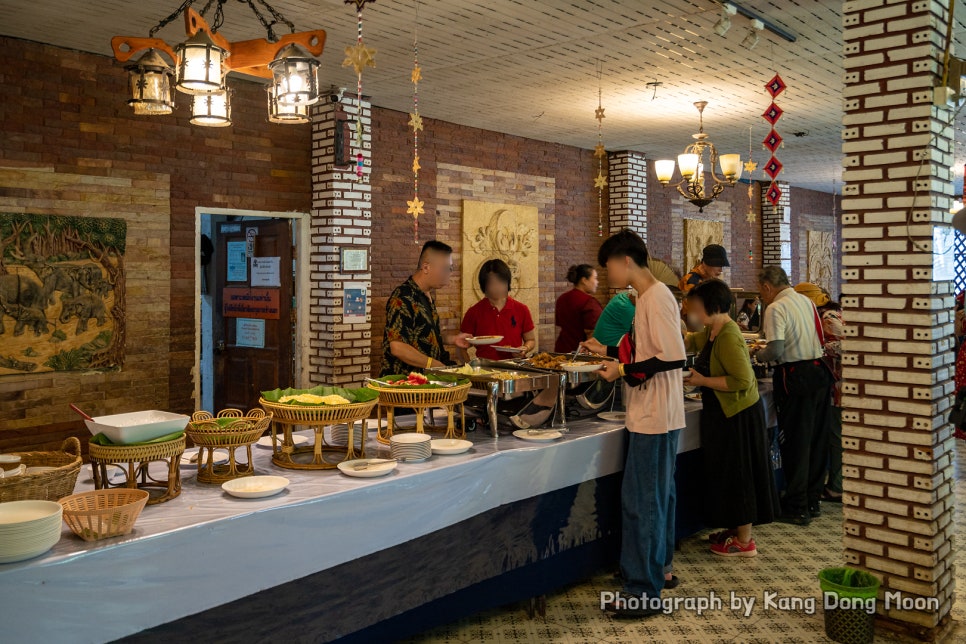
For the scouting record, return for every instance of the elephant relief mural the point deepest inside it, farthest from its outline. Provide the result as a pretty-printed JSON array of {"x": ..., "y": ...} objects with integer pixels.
[
  {"x": 501, "y": 231},
  {"x": 61, "y": 293}
]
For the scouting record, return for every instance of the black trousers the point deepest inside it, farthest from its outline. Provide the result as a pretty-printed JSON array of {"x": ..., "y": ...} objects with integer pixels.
[{"x": 802, "y": 396}]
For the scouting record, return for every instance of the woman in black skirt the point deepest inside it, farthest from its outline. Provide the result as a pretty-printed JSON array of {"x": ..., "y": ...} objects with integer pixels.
[{"x": 741, "y": 488}]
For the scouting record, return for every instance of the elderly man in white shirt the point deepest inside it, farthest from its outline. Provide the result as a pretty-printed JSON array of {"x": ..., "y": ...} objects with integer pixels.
[{"x": 793, "y": 331}]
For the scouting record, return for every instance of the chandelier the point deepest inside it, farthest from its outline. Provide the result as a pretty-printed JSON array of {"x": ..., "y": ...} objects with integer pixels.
[
  {"x": 699, "y": 184},
  {"x": 198, "y": 67}
]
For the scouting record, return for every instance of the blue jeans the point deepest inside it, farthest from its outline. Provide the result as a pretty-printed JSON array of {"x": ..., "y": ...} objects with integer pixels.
[{"x": 648, "y": 504}]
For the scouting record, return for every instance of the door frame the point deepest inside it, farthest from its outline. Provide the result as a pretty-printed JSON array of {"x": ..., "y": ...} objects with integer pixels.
[{"x": 302, "y": 286}]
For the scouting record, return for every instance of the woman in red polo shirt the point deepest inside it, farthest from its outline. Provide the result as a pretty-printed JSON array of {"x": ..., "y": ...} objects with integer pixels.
[
  {"x": 577, "y": 310},
  {"x": 498, "y": 313}
]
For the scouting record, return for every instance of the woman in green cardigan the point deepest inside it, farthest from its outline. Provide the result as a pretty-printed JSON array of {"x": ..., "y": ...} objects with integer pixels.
[{"x": 741, "y": 487}]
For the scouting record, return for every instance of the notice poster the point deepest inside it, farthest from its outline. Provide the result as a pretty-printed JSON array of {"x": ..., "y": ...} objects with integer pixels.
[
  {"x": 243, "y": 302},
  {"x": 354, "y": 303},
  {"x": 266, "y": 271},
  {"x": 250, "y": 332},
  {"x": 237, "y": 262}
]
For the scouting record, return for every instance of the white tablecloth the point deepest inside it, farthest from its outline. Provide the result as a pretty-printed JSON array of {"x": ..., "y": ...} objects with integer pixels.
[{"x": 205, "y": 548}]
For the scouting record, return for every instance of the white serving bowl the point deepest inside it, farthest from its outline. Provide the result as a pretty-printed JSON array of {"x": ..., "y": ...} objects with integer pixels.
[
  {"x": 450, "y": 446},
  {"x": 138, "y": 426}
]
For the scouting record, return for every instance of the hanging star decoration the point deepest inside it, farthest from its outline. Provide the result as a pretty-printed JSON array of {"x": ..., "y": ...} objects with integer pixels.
[
  {"x": 750, "y": 167},
  {"x": 358, "y": 57},
  {"x": 600, "y": 181},
  {"x": 416, "y": 123},
  {"x": 415, "y": 207}
]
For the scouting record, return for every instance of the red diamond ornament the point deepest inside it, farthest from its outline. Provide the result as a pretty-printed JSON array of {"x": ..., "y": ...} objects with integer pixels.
[
  {"x": 774, "y": 194},
  {"x": 775, "y": 86},
  {"x": 772, "y": 141},
  {"x": 773, "y": 167},
  {"x": 772, "y": 114}
]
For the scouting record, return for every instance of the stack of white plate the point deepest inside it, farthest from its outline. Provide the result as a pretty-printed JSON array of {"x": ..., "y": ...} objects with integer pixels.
[
  {"x": 410, "y": 447},
  {"x": 28, "y": 529},
  {"x": 340, "y": 435}
]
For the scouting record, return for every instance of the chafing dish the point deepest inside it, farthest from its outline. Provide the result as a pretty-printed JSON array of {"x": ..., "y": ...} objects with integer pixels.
[{"x": 505, "y": 380}]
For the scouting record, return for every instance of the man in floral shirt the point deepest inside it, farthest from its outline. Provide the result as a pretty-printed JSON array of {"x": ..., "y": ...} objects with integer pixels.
[{"x": 413, "y": 339}]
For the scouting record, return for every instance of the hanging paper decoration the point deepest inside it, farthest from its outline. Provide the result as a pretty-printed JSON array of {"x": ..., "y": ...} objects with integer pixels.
[
  {"x": 415, "y": 207},
  {"x": 600, "y": 181},
  {"x": 750, "y": 167},
  {"x": 359, "y": 56},
  {"x": 773, "y": 140}
]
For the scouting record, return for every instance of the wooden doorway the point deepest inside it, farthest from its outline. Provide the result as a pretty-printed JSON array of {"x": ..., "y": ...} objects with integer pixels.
[{"x": 249, "y": 332}]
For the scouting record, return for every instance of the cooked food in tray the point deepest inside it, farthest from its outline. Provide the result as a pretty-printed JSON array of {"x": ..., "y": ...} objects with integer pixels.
[{"x": 547, "y": 361}]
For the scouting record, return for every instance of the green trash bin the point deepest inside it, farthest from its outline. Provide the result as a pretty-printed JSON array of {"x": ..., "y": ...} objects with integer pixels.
[{"x": 848, "y": 599}]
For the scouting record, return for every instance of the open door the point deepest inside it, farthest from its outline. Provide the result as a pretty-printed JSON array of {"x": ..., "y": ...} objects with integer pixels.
[{"x": 252, "y": 314}]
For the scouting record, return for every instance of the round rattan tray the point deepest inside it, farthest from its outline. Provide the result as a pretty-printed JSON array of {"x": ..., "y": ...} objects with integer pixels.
[
  {"x": 284, "y": 417},
  {"x": 419, "y": 400},
  {"x": 243, "y": 430},
  {"x": 135, "y": 461}
]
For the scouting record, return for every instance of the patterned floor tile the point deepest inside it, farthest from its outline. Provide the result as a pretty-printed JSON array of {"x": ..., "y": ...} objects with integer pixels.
[{"x": 788, "y": 563}]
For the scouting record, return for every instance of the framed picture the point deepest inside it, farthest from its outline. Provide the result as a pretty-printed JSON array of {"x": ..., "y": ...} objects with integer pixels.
[{"x": 354, "y": 259}]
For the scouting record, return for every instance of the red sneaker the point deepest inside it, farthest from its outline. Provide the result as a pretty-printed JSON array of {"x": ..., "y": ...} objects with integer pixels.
[
  {"x": 721, "y": 535},
  {"x": 731, "y": 548}
]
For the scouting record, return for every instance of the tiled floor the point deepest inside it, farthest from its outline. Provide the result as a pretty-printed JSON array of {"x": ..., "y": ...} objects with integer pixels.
[{"x": 788, "y": 562}]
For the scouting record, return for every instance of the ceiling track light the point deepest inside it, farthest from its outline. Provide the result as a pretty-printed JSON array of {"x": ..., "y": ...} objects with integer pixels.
[
  {"x": 766, "y": 25},
  {"x": 751, "y": 40},
  {"x": 724, "y": 22}
]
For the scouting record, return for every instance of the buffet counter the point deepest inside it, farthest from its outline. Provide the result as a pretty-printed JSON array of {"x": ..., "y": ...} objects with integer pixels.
[{"x": 205, "y": 549}]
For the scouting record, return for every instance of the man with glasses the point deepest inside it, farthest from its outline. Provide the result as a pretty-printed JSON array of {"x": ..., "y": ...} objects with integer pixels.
[{"x": 413, "y": 340}]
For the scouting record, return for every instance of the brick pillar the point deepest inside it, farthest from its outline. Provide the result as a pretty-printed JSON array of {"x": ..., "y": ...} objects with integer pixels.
[
  {"x": 898, "y": 460},
  {"x": 776, "y": 229},
  {"x": 627, "y": 190},
  {"x": 341, "y": 216}
]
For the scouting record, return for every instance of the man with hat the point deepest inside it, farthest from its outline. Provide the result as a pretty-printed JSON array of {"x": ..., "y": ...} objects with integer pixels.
[{"x": 713, "y": 259}]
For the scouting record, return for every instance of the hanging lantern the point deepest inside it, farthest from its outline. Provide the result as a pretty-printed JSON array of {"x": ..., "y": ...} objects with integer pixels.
[
  {"x": 200, "y": 65},
  {"x": 212, "y": 110},
  {"x": 295, "y": 76},
  {"x": 286, "y": 112},
  {"x": 152, "y": 91}
]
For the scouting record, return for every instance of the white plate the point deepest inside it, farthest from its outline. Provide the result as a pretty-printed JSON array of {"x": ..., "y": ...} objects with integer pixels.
[
  {"x": 484, "y": 340},
  {"x": 113, "y": 471},
  {"x": 612, "y": 416},
  {"x": 694, "y": 397},
  {"x": 450, "y": 446},
  {"x": 255, "y": 487},
  {"x": 379, "y": 469},
  {"x": 504, "y": 349},
  {"x": 266, "y": 440},
  {"x": 543, "y": 437},
  {"x": 580, "y": 367},
  {"x": 191, "y": 457}
]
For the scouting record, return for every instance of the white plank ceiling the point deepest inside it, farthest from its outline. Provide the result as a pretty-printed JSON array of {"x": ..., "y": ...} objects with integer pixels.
[{"x": 528, "y": 67}]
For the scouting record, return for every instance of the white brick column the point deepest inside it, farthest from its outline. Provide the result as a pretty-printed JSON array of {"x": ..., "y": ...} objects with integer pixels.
[
  {"x": 627, "y": 191},
  {"x": 341, "y": 216},
  {"x": 898, "y": 459},
  {"x": 776, "y": 229}
]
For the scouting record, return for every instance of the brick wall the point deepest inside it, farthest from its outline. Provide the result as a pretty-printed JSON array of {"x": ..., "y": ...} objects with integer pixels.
[
  {"x": 627, "y": 187},
  {"x": 65, "y": 110},
  {"x": 898, "y": 447},
  {"x": 33, "y": 407},
  {"x": 574, "y": 209}
]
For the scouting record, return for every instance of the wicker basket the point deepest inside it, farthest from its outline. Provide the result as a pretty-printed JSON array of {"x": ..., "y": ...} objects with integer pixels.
[
  {"x": 204, "y": 431},
  {"x": 103, "y": 513},
  {"x": 414, "y": 397},
  {"x": 52, "y": 485},
  {"x": 319, "y": 415}
]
